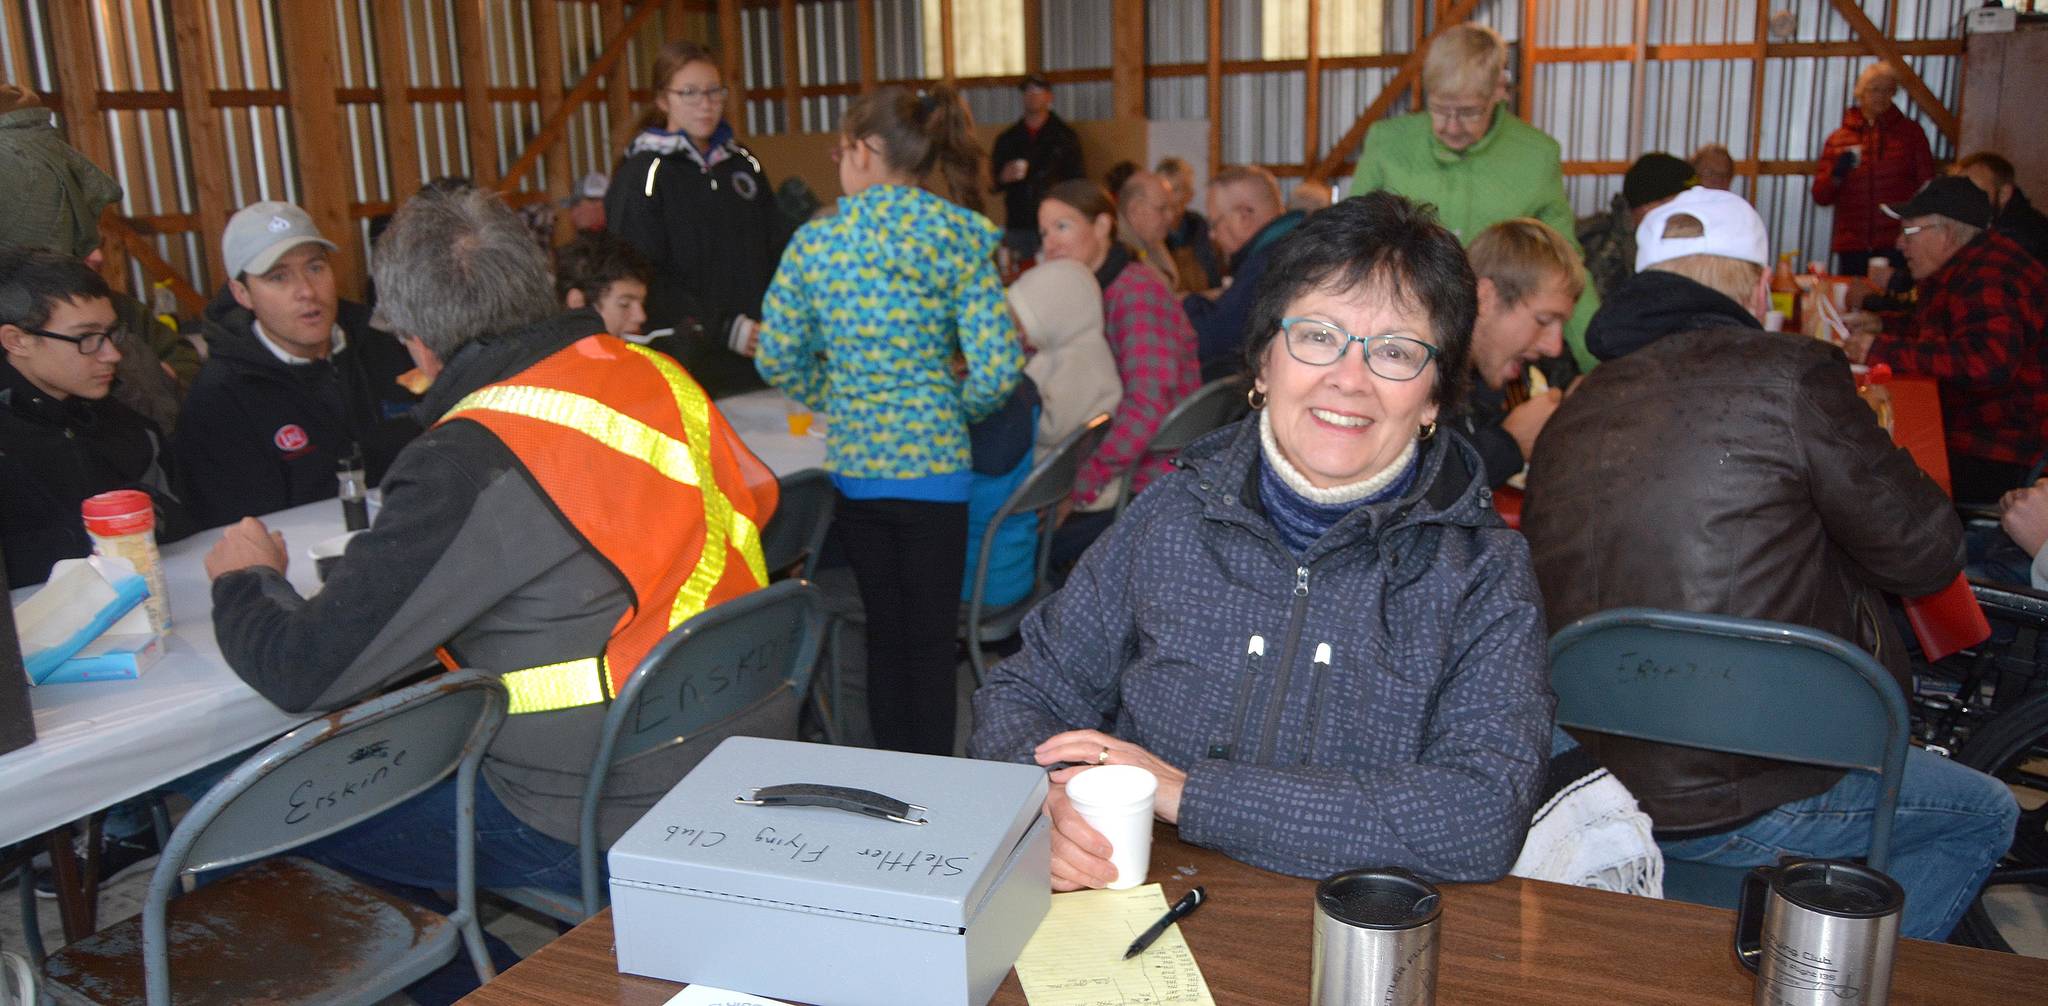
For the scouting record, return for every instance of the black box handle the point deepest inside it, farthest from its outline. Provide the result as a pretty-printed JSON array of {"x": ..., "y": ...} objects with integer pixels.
[{"x": 858, "y": 801}]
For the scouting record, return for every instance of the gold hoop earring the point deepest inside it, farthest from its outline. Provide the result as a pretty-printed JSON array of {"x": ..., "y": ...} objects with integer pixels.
[
  {"x": 1255, "y": 398},
  {"x": 1428, "y": 431}
]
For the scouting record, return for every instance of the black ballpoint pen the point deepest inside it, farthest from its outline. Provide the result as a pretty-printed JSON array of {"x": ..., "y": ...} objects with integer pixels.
[{"x": 1181, "y": 909}]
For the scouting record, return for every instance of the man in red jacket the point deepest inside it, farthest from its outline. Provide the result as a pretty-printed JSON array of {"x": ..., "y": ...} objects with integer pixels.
[
  {"x": 1878, "y": 156},
  {"x": 1978, "y": 328}
]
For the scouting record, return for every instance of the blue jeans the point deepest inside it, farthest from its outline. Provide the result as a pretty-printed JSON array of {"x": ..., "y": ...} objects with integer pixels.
[
  {"x": 413, "y": 844},
  {"x": 1953, "y": 823}
]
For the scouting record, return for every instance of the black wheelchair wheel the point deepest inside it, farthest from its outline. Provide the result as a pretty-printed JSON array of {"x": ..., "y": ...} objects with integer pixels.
[{"x": 2013, "y": 747}]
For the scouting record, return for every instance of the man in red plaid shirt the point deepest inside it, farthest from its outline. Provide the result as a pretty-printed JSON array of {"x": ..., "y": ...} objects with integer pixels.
[{"x": 1983, "y": 307}]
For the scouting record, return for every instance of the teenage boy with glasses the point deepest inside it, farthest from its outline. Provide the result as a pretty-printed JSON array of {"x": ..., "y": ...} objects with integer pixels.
[{"x": 62, "y": 438}]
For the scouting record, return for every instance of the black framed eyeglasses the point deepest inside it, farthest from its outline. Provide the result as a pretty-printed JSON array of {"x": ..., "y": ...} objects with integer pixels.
[
  {"x": 87, "y": 344},
  {"x": 689, "y": 95},
  {"x": 1320, "y": 344}
]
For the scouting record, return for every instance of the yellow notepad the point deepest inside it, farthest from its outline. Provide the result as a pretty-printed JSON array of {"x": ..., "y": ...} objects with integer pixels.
[{"x": 1076, "y": 957}]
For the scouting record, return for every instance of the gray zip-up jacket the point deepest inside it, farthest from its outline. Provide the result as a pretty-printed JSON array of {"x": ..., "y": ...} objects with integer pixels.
[
  {"x": 470, "y": 553},
  {"x": 1420, "y": 743}
]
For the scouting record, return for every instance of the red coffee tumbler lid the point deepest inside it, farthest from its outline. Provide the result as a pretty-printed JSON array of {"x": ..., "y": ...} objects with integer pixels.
[{"x": 123, "y": 511}]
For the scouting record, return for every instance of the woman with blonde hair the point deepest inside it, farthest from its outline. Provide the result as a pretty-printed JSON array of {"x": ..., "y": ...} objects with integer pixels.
[
  {"x": 697, "y": 205},
  {"x": 863, "y": 322},
  {"x": 1468, "y": 155}
]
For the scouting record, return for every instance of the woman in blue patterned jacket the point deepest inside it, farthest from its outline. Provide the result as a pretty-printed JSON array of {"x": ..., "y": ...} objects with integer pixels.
[
  {"x": 1317, "y": 633},
  {"x": 862, "y": 322}
]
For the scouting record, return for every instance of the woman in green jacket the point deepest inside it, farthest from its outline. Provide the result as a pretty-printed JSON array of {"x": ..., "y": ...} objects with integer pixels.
[{"x": 1467, "y": 155}]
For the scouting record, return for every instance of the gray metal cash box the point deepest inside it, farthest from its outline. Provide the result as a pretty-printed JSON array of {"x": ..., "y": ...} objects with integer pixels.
[{"x": 836, "y": 875}]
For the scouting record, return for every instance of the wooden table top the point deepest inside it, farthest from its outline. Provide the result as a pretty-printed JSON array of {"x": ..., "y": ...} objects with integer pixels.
[{"x": 1512, "y": 941}]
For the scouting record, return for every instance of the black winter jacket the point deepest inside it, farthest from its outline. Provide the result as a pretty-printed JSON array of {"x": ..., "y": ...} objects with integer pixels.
[
  {"x": 258, "y": 435},
  {"x": 1485, "y": 409},
  {"x": 54, "y": 454},
  {"x": 1054, "y": 155},
  {"x": 2025, "y": 225},
  {"x": 1712, "y": 466},
  {"x": 714, "y": 238}
]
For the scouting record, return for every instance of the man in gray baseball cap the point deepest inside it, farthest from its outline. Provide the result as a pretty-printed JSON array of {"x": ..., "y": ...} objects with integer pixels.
[{"x": 296, "y": 381}]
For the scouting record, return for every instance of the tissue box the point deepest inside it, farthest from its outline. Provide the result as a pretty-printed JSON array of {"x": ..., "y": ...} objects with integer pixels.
[
  {"x": 826, "y": 905},
  {"x": 124, "y": 651}
]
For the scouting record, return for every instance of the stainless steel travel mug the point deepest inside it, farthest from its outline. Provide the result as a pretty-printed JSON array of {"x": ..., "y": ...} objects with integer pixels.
[
  {"x": 1375, "y": 940},
  {"x": 1819, "y": 932}
]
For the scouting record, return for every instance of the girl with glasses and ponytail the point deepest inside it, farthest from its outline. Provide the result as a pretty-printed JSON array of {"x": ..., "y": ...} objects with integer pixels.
[
  {"x": 889, "y": 318},
  {"x": 697, "y": 205}
]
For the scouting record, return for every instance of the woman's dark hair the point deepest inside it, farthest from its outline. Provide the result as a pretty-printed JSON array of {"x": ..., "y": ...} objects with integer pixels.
[
  {"x": 1087, "y": 197},
  {"x": 1379, "y": 241},
  {"x": 673, "y": 56},
  {"x": 33, "y": 281},
  {"x": 922, "y": 134}
]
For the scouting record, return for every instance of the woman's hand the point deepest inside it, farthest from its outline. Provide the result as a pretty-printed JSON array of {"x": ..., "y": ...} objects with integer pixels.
[
  {"x": 1097, "y": 748},
  {"x": 1080, "y": 855}
]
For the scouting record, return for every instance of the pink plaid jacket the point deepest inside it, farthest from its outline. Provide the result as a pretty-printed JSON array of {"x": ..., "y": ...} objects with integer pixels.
[{"x": 1155, "y": 352}]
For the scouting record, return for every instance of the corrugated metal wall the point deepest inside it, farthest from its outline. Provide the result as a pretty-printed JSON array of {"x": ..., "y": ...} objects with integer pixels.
[
  {"x": 136, "y": 60},
  {"x": 1588, "y": 106}
]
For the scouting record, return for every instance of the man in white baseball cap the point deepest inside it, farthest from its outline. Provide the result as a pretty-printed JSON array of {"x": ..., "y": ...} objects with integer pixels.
[
  {"x": 296, "y": 380},
  {"x": 1711, "y": 466},
  {"x": 586, "y": 207}
]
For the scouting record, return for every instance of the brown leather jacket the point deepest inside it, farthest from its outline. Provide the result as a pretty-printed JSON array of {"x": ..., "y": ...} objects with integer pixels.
[{"x": 1730, "y": 470}]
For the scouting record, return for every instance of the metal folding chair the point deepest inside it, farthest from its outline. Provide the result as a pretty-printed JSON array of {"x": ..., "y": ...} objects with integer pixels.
[
  {"x": 796, "y": 534},
  {"x": 285, "y": 929},
  {"x": 1213, "y": 406},
  {"x": 1041, "y": 491},
  {"x": 1737, "y": 685},
  {"x": 736, "y": 664}
]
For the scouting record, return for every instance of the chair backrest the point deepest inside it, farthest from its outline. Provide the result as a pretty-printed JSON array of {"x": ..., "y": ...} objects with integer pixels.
[
  {"x": 1049, "y": 482},
  {"x": 803, "y": 513},
  {"x": 343, "y": 768},
  {"x": 1737, "y": 685},
  {"x": 717, "y": 665},
  {"x": 1212, "y": 406}
]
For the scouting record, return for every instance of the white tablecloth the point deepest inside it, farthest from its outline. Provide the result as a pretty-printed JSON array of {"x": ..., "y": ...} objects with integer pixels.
[
  {"x": 101, "y": 742},
  {"x": 761, "y": 418}
]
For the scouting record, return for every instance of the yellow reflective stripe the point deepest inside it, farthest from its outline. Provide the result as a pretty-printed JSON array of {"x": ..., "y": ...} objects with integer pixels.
[
  {"x": 566, "y": 685},
  {"x": 583, "y": 682},
  {"x": 721, "y": 521},
  {"x": 748, "y": 540},
  {"x": 592, "y": 418}
]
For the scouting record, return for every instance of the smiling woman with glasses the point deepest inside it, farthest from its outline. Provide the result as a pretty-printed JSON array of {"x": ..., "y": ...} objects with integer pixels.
[
  {"x": 697, "y": 205},
  {"x": 1315, "y": 632},
  {"x": 1466, "y": 153}
]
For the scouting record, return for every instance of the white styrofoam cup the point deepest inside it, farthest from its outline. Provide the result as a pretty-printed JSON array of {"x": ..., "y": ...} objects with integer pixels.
[{"x": 1116, "y": 800}]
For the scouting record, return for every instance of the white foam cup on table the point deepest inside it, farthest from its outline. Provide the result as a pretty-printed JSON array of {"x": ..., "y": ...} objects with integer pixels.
[{"x": 1116, "y": 800}]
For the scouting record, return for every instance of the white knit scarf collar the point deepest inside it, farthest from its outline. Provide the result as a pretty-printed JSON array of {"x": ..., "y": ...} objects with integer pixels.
[{"x": 1338, "y": 494}]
